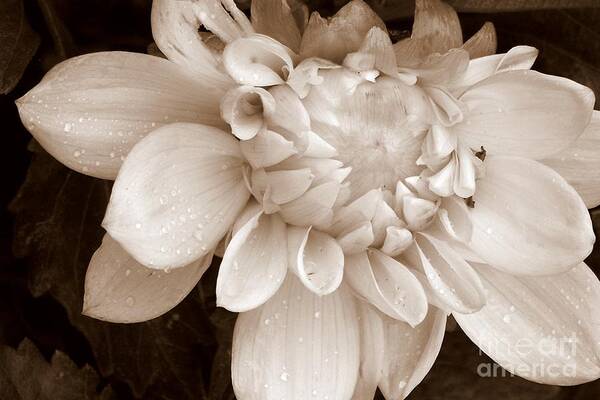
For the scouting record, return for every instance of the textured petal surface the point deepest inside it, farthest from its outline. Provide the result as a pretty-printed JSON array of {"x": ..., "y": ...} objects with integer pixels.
[
  {"x": 119, "y": 289},
  {"x": 176, "y": 196},
  {"x": 436, "y": 26},
  {"x": 274, "y": 18},
  {"x": 388, "y": 285},
  {"x": 410, "y": 352},
  {"x": 544, "y": 329},
  {"x": 525, "y": 113},
  {"x": 175, "y": 30},
  {"x": 483, "y": 43},
  {"x": 297, "y": 346},
  {"x": 89, "y": 111},
  {"x": 579, "y": 164},
  {"x": 342, "y": 34},
  {"x": 254, "y": 264},
  {"x": 528, "y": 220},
  {"x": 372, "y": 351}
]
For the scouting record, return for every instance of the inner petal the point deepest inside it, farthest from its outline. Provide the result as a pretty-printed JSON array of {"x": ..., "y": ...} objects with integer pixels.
[{"x": 376, "y": 127}]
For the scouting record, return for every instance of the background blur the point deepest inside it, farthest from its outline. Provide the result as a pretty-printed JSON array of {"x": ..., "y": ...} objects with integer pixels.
[{"x": 50, "y": 221}]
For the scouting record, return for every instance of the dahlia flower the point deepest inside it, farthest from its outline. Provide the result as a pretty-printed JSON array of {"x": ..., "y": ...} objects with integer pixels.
[{"x": 359, "y": 191}]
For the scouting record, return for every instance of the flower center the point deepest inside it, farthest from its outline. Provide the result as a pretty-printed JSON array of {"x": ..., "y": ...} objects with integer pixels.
[{"x": 376, "y": 127}]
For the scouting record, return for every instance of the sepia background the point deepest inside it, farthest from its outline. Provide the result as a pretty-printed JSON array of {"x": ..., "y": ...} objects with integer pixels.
[{"x": 50, "y": 223}]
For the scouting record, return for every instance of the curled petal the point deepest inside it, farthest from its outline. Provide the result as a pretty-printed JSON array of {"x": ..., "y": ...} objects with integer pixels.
[
  {"x": 254, "y": 264},
  {"x": 267, "y": 148},
  {"x": 529, "y": 224},
  {"x": 89, "y": 111},
  {"x": 410, "y": 352},
  {"x": 384, "y": 218},
  {"x": 306, "y": 74},
  {"x": 312, "y": 208},
  {"x": 245, "y": 108},
  {"x": 283, "y": 186},
  {"x": 177, "y": 194},
  {"x": 377, "y": 43},
  {"x": 417, "y": 212},
  {"x": 175, "y": 30},
  {"x": 453, "y": 280},
  {"x": 396, "y": 241},
  {"x": 544, "y": 329},
  {"x": 388, "y": 285},
  {"x": 296, "y": 346},
  {"x": 290, "y": 113},
  {"x": 455, "y": 219},
  {"x": 316, "y": 258},
  {"x": 258, "y": 60},
  {"x": 342, "y": 34},
  {"x": 358, "y": 211},
  {"x": 223, "y": 18},
  {"x": 448, "y": 110},
  {"x": 483, "y": 43},
  {"x": 357, "y": 240},
  {"x": 119, "y": 289},
  {"x": 579, "y": 164},
  {"x": 524, "y": 113},
  {"x": 274, "y": 18}
]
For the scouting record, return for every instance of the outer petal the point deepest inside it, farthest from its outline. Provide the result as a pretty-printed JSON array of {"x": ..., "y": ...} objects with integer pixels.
[
  {"x": 524, "y": 113},
  {"x": 89, "y": 111},
  {"x": 119, "y": 289},
  {"x": 388, "y": 285},
  {"x": 410, "y": 352},
  {"x": 545, "y": 329},
  {"x": 372, "y": 352},
  {"x": 274, "y": 18},
  {"x": 436, "y": 26},
  {"x": 316, "y": 259},
  {"x": 177, "y": 194},
  {"x": 254, "y": 264},
  {"x": 333, "y": 39},
  {"x": 297, "y": 346},
  {"x": 175, "y": 30},
  {"x": 483, "y": 43},
  {"x": 579, "y": 164},
  {"x": 528, "y": 220}
]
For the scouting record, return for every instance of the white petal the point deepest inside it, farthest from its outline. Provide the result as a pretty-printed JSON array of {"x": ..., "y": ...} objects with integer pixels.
[
  {"x": 312, "y": 208},
  {"x": 357, "y": 240},
  {"x": 175, "y": 30},
  {"x": 388, "y": 285},
  {"x": 286, "y": 185},
  {"x": 274, "y": 18},
  {"x": 223, "y": 18},
  {"x": 296, "y": 346},
  {"x": 254, "y": 264},
  {"x": 410, "y": 352},
  {"x": 246, "y": 108},
  {"x": 258, "y": 60},
  {"x": 453, "y": 280},
  {"x": 89, "y": 111},
  {"x": 544, "y": 329},
  {"x": 333, "y": 38},
  {"x": 119, "y": 289},
  {"x": 306, "y": 74},
  {"x": 378, "y": 43},
  {"x": 384, "y": 218},
  {"x": 528, "y": 220},
  {"x": 579, "y": 164},
  {"x": 316, "y": 258},
  {"x": 454, "y": 219},
  {"x": 418, "y": 212},
  {"x": 176, "y": 195},
  {"x": 483, "y": 43},
  {"x": 289, "y": 113},
  {"x": 372, "y": 350},
  {"x": 396, "y": 241},
  {"x": 267, "y": 148},
  {"x": 524, "y": 113}
]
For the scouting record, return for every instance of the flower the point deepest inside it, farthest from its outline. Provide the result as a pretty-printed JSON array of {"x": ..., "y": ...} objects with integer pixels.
[{"x": 358, "y": 190}]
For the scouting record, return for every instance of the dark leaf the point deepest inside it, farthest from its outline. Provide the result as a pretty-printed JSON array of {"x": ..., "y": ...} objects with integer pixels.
[
  {"x": 26, "y": 375},
  {"x": 61, "y": 38},
  {"x": 18, "y": 43},
  {"x": 58, "y": 214}
]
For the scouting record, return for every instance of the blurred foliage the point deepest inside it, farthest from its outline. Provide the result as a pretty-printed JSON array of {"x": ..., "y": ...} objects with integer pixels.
[{"x": 56, "y": 215}]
